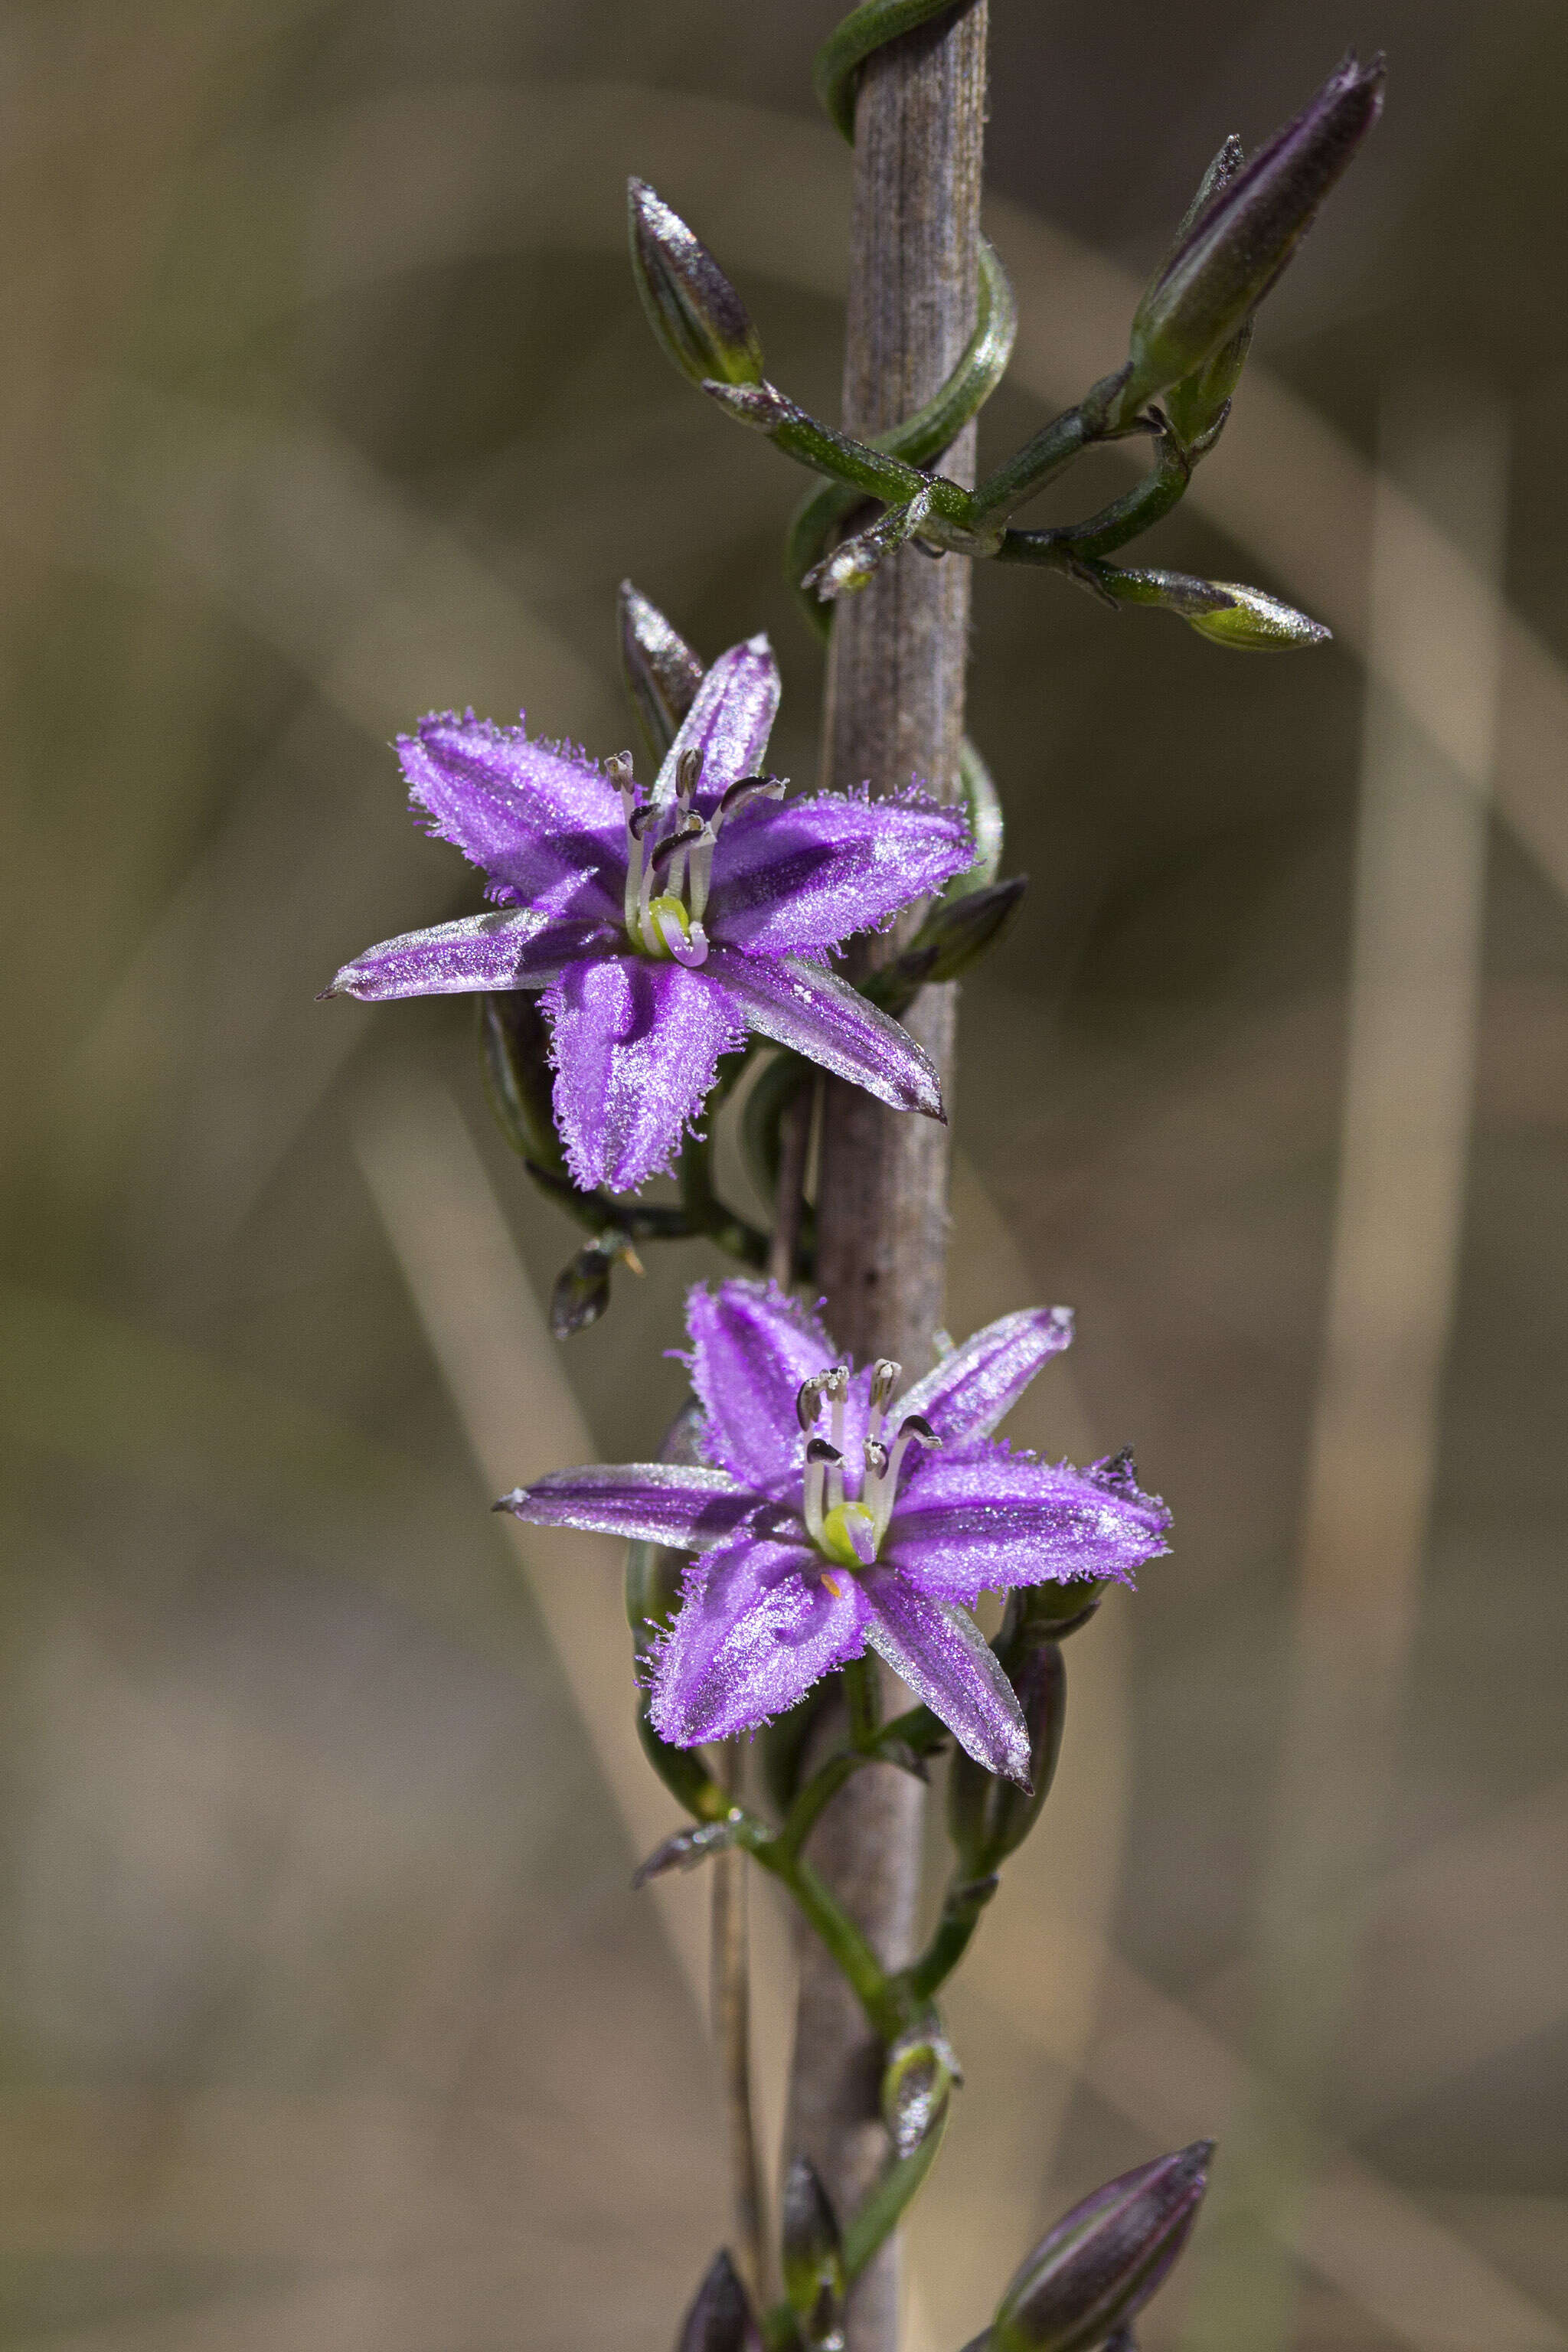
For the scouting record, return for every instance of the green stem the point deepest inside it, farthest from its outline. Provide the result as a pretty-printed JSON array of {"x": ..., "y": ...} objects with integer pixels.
[
  {"x": 862, "y": 1699},
  {"x": 966, "y": 1899},
  {"x": 894, "y": 2190},
  {"x": 857, "y": 1962},
  {"x": 1125, "y": 517},
  {"x": 816, "y": 1795}
]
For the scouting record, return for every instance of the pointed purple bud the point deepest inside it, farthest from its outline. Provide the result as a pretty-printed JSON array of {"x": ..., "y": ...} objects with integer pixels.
[
  {"x": 661, "y": 672},
  {"x": 958, "y": 931},
  {"x": 685, "y": 1849},
  {"x": 1101, "y": 2263},
  {"x": 812, "y": 2253},
  {"x": 721, "y": 2318},
  {"x": 697, "y": 315},
  {"x": 1197, "y": 406},
  {"x": 1243, "y": 237},
  {"x": 920, "y": 2070}
]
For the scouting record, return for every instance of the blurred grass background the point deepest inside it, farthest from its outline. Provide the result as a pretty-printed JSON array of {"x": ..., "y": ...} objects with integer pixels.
[{"x": 328, "y": 2017}]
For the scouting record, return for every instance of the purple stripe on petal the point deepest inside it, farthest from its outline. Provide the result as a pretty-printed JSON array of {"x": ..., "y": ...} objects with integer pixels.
[
  {"x": 946, "y": 1661},
  {"x": 652, "y": 1502},
  {"x": 968, "y": 1391},
  {"x": 729, "y": 723},
  {"x": 634, "y": 1045},
  {"x": 751, "y": 1348},
  {"x": 809, "y": 874},
  {"x": 521, "y": 949},
  {"x": 818, "y": 1013},
  {"x": 758, "y": 1626},
  {"x": 986, "y": 1519},
  {"x": 543, "y": 823}
]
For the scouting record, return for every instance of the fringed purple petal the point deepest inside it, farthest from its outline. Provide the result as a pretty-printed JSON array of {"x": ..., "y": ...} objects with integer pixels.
[
  {"x": 801, "y": 1004},
  {"x": 634, "y": 1045},
  {"x": 751, "y": 1348},
  {"x": 510, "y": 949},
  {"x": 652, "y": 1502},
  {"x": 947, "y": 1661},
  {"x": 986, "y": 1519},
  {"x": 729, "y": 723},
  {"x": 970, "y": 1391},
  {"x": 542, "y": 822},
  {"x": 757, "y": 1627},
  {"x": 812, "y": 872}
]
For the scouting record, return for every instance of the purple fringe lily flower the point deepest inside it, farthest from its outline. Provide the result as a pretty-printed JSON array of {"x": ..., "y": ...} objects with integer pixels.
[
  {"x": 664, "y": 927},
  {"x": 830, "y": 1519}
]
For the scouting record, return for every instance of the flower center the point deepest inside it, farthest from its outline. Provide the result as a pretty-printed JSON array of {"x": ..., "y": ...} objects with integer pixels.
[
  {"x": 847, "y": 1528},
  {"x": 670, "y": 855}
]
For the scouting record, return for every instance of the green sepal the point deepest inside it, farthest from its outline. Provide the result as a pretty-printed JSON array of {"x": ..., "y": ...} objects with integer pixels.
[{"x": 812, "y": 2258}]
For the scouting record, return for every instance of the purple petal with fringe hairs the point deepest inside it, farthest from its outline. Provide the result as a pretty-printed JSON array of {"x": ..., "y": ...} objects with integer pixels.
[
  {"x": 801, "y": 1005},
  {"x": 941, "y": 1653},
  {"x": 635, "y": 1046},
  {"x": 752, "y": 1349},
  {"x": 650, "y": 1502},
  {"x": 758, "y": 1626},
  {"x": 729, "y": 723},
  {"x": 968, "y": 1391},
  {"x": 987, "y": 1520},
  {"x": 815, "y": 871},
  {"x": 541, "y": 820},
  {"x": 521, "y": 949}
]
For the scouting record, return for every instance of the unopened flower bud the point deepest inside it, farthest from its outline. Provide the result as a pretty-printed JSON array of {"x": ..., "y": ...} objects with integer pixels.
[
  {"x": 721, "y": 2318},
  {"x": 987, "y": 1818},
  {"x": 582, "y": 1289},
  {"x": 696, "y": 313},
  {"x": 1244, "y": 235},
  {"x": 662, "y": 672},
  {"x": 813, "y": 2257},
  {"x": 1038, "y": 1614},
  {"x": 1101, "y": 2263},
  {"x": 920, "y": 2070},
  {"x": 514, "y": 1055},
  {"x": 1253, "y": 623},
  {"x": 959, "y": 929}
]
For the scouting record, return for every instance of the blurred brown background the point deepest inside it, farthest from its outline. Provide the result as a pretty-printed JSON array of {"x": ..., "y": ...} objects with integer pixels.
[{"x": 329, "y": 2018}]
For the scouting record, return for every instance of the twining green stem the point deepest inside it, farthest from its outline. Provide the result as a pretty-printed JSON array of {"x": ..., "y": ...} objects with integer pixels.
[
  {"x": 816, "y": 1795},
  {"x": 706, "y": 1213},
  {"x": 1126, "y": 518},
  {"x": 895, "y": 2188}
]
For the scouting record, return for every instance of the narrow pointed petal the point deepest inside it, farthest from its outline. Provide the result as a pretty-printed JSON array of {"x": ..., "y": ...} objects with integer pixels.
[
  {"x": 752, "y": 1349},
  {"x": 756, "y": 1629},
  {"x": 542, "y": 819},
  {"x": 509, "y": 950},
  {"x": 970, "y": 1391},
  {"x": 987, "y": 1520},
  {"x": 729, "y": 723},
  {"x": 941, "y": 1653},
  {"x": 811, "y": 873},
  {"x": 646, "y": 1502},
  {"x": 803, "y": 1006},
  {"x": 635, "y": 1046}
]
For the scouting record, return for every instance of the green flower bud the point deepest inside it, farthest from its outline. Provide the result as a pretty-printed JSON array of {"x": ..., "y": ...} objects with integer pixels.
[
  {"x": 696, "y": 313},
  {"x": 921, "y": 2070},
  {"x": 1253, "y": 623},
  {"x": 812, "y": 2258},
  {"x": 1240, "y": 238},
  {"x": 1101, "y": 2263},
  {"x": 987, "y": 1818},
  {"x": 514, "y": 1055}
]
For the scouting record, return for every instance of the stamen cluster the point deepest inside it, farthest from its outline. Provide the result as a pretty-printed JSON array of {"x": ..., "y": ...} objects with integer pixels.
[
  {"x": 670, "y": 855},
  {"x": 848, "y": 1529}
]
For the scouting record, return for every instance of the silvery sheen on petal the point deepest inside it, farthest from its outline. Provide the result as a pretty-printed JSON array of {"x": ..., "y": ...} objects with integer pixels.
[
  {"x": 665, "y": 925},
  {"x": 833, "y": 1518}
]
